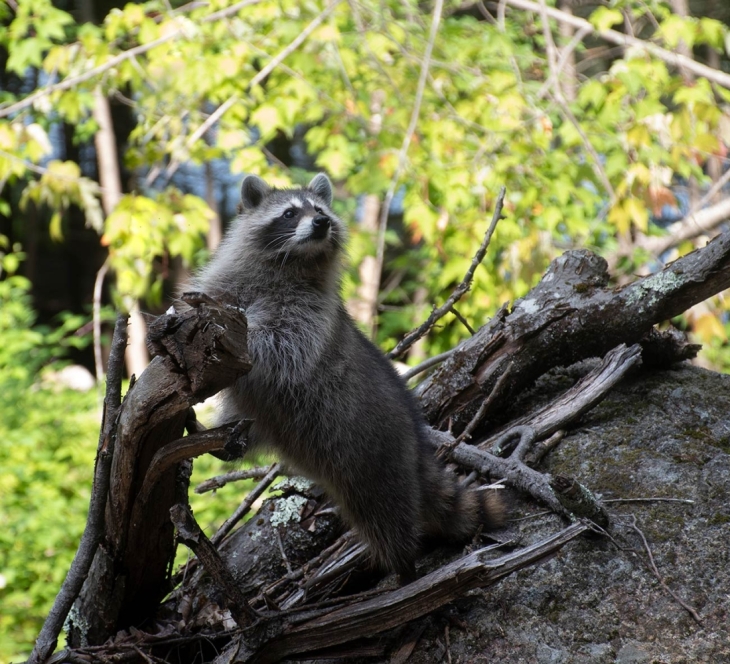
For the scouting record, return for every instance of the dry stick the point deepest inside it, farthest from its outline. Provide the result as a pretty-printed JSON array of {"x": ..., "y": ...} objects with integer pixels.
[
  {"x": 383, "y": 221},
  {"x": 496, "y": 391},
  {"x": 245, "y": 506},
  {"x": 48, "y": 637},
  {"x": 463, "y": 321},
  {"x": 654, "y": 569},
  {"x": 411, "y": 338},
  {"x": 650, "y": 500},
  {"x": 219, "y": 481},
  {"x": 557, "y": 95},
  {"x": 192, "y": 536},
  {"x": 427, "y": 364},
  {"x": 584, "y": 395}
]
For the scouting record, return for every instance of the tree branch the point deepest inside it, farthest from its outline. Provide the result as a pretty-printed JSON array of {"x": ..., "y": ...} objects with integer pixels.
[
  {"x": 94, "y": 530},
  {"x": 411, "y": 338},
  {"x": 389, "y": 610},
  {"x": 674, "y": 59},
  {"x": 72, "y": 81}
]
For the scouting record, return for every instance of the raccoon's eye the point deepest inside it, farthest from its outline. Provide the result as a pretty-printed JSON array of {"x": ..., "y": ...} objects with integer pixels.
[{"x": 290, "y": 213}]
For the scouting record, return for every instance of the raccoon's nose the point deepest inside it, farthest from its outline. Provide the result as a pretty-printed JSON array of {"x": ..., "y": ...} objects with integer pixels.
[{"x": 320, "y": 226}]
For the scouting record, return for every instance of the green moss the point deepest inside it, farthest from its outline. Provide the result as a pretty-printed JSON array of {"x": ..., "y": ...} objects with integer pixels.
[{"x": 719, "y": 519}]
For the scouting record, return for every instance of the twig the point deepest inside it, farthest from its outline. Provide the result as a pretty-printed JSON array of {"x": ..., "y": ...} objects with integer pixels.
[
  {"x": 650, "y": 500},
  {"x": 426, "y": 364},
  {"x": 192, "y": 536},
  {"x": 458, "y": 292},
  {"x": 463, "y": 321},
  {"x": 289, "y": 570},
  {"x": 48, "y": 637},
  {"x": 245, "y": 506},
  {"x": 385, "y": 209},
  {"x": 479, "y": 415},
  {"x": 294, "y": 44},
  {"x": 557, "y": 95},
  {"x": 276, "y": 61},
  {"x": 564, "y": 57},
  {"x": 98, "y": 283},
  {"x": 219, "y": 481},
  {"x": 71, "y": 81},
  {"x": 654, "y": 569}
]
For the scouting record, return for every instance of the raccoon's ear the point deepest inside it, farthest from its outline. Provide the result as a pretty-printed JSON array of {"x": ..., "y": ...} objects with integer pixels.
[
  {"x": 253, "y": 191},
  {"x": 322, "y": 186}
]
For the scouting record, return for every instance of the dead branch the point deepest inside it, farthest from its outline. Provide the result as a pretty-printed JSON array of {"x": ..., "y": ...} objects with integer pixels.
[
  {"x": 411, "y": 338},
  {"x": 398, "y": 607},
  {"x": 570, "y": 315},
  {"x": 220, "y": 481},
  {"x": 247, "y": 503},
  {"x": 198, "y": 352},
  {"x": 48, "y": 637},
  {"x": 194, "y": 445},
  {"x": 193, "y": 537},
  {"x": 621, "y": 39},
  {"x": 662, "y": 583}
]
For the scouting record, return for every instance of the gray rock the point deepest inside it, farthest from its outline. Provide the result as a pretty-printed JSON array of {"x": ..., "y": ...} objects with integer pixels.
[{"x": 660, "y": 434}]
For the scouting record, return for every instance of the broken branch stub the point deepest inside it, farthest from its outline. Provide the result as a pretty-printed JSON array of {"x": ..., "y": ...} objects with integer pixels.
[{"x": 197, "y": 353}]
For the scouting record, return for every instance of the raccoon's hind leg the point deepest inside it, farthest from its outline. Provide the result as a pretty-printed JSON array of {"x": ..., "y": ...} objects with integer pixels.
[
  {"x": 451, "y": 512},
  {"x": 385, "y": 515}
]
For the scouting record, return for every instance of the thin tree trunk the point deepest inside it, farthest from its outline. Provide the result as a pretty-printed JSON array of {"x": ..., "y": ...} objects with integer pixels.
[{"x": 136, "y": 357}]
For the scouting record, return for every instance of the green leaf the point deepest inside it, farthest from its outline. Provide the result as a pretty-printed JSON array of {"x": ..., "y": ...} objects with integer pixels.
[{"x": 604, "y": 18}]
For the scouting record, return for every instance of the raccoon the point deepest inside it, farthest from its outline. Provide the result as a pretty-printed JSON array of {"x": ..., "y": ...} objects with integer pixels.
[{"x": 321, "y": 395}]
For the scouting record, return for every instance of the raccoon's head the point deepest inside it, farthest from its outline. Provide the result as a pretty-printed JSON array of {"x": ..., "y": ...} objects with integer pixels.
[{"x": 289, "y": 224}]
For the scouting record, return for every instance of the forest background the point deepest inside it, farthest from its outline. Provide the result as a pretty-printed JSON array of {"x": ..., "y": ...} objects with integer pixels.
[{"x": 125, "y": 130}]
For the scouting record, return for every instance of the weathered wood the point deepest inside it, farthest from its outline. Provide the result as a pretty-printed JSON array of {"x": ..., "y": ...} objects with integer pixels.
[
  {"x": 48, "y": 637},
  {"x": 199, "y": 352},
  {"x": 572, "y": 314},
  {"x": 476, "y": 570}
]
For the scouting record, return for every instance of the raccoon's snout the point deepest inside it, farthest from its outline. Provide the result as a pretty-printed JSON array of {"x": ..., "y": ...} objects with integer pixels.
[{"x": 320, "y": 226}]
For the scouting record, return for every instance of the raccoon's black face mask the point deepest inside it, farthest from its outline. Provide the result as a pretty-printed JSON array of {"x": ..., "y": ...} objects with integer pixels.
[{"x": 296, "y": 222}]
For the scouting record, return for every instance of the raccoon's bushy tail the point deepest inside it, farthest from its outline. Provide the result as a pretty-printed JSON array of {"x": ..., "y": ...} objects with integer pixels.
[{"x": 451, "y": 512}]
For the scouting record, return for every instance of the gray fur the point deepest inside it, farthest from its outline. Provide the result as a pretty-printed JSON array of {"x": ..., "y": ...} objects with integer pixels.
[{"x": 322, "y": 396}]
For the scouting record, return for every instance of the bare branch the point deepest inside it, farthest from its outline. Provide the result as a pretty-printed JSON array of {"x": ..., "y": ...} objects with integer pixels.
[
  {"x": 296, "y": 43},
  {"x": 192, "y": 536},
  {"x": 694, "y": 224},
  {"x": 48, "y": 637},
  {"x": 662, "y": 583},
  {"x": 411, "y": 338},
  {"x": 556, "y": 93},
  {"x": 245, "y": 506},
  {"x": 220, "y": 481}
]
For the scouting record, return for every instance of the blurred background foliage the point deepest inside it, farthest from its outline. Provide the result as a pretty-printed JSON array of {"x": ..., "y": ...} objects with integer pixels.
[{"x": 125, "y": 130}]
